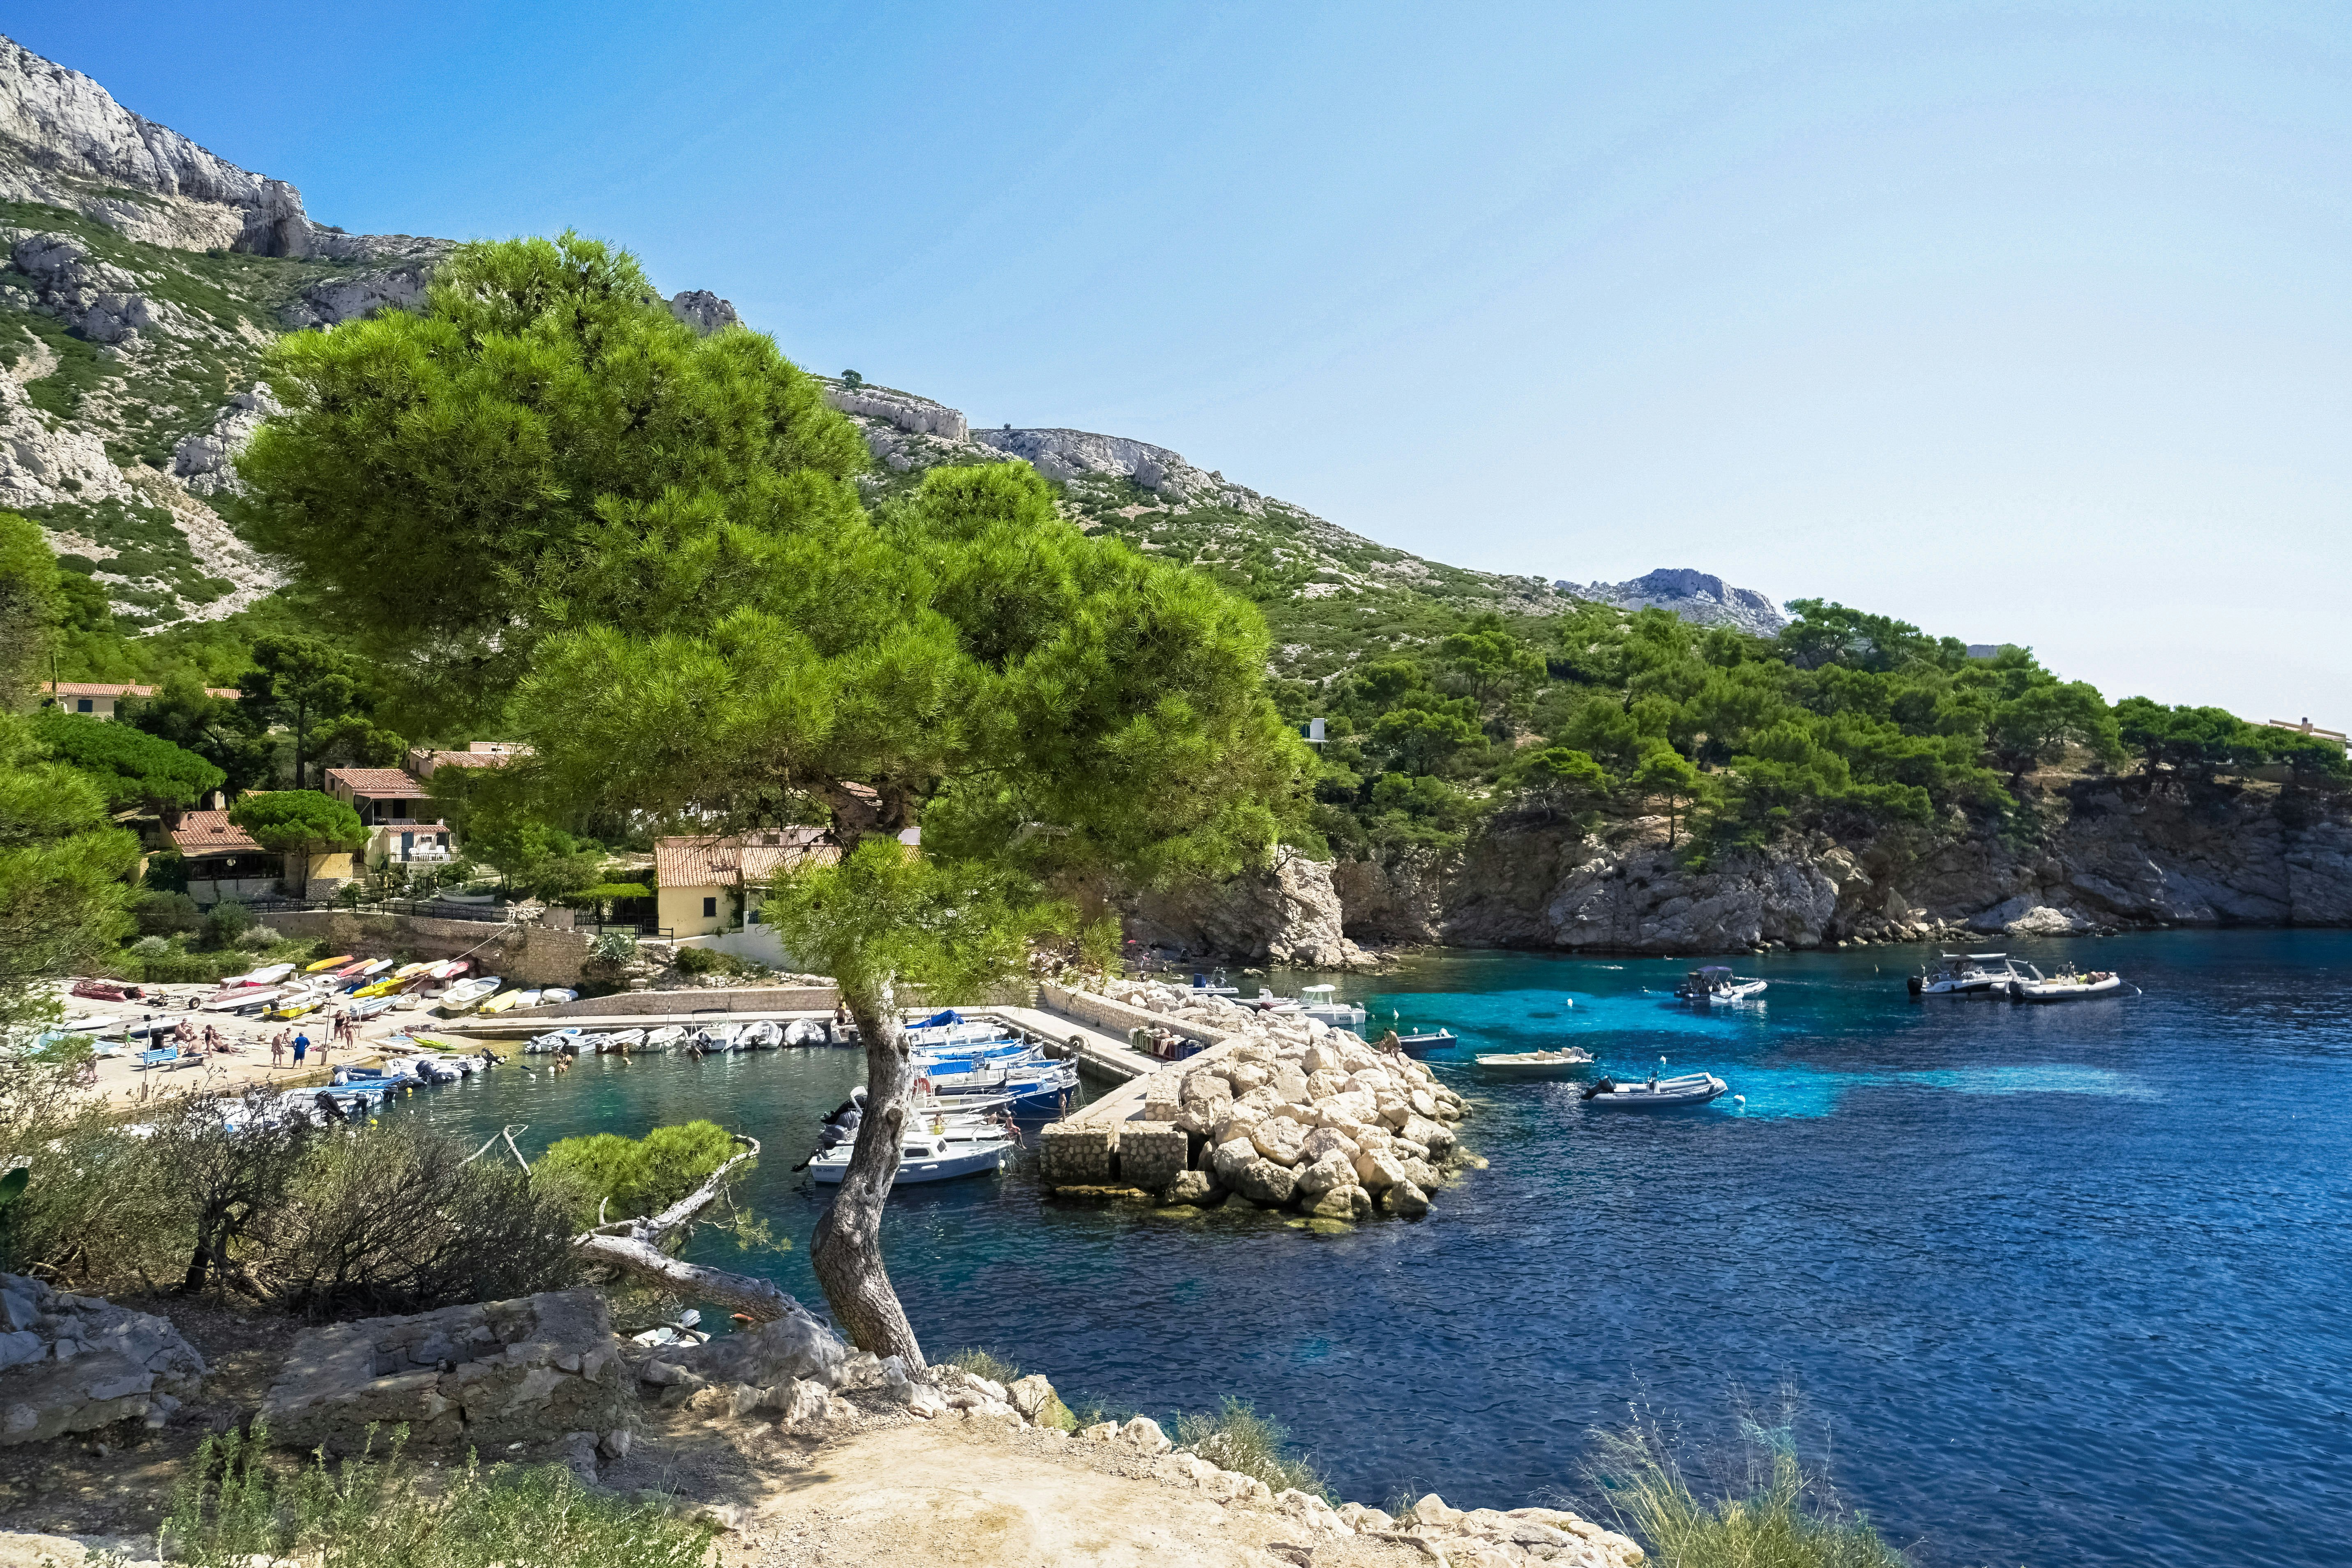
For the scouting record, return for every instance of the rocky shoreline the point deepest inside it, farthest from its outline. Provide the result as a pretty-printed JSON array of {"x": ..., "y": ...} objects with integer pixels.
[
  {"x": 2106, "y": 855},
  {"x": 1282, "y": 1111}
]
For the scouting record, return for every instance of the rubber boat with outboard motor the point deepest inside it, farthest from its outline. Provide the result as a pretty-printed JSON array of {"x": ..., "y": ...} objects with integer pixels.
[
  {"x": 1714, "y": 986},
  {"x": 1656, "y": 1093},
  {"x": 1966, "y": 974},
  {"x": 2065, "y": 985}
]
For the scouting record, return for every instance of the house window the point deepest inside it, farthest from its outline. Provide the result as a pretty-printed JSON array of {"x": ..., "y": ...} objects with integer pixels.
[
  {"x": 751, "y": 915},
  {"x": 711, "y": 909},
  {"x": 84, "y": 705}
]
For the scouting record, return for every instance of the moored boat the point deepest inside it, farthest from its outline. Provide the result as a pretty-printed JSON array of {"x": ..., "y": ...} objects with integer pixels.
[
  {"x": 2065, "y": 985},
  {"x": 1656, "y": 1093},
  {"x": 921, "y": 1158},
  {"x": 1966, "y": 974},
  {"x": 1536, "y": 1064},
  {"x": 1714, "y": 986},
  {"x": 1421, "y": 1042}
]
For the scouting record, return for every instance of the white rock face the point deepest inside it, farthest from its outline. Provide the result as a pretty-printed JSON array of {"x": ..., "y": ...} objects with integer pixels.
[
  {"x": 1699, "y": 598},
  {"x": 40, "y": 466},
  {"x": 361, "y": 294},
  {"x": 203, "y": 463},
  {"x": 900, "y": 410},
  {"x": 1070, "y": 454}
]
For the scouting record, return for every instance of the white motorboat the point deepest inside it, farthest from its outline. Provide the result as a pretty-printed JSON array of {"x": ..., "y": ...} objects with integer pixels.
[
  {"x": 1323, "y": 1002},
  {"x": 1966, "y": 974},
  {"x": 718, "y": 1039},
  {"x": 922, "y": 1158},
  {"x": 1715, "y": 986},
  {"x": 1655, "y": 1094},
  {"x": 248, "y": 998},
  {"x": 2065, "y": 985},
  {"x": 1536, "y": 1064},
  {"x": 666, "y": 1036},
  {"x": 619, "y": 1043},
  {"x": 551, "y": 1042},
  {"x": 805, "y": 1032},
  {"x": 764, "y": 1035}
]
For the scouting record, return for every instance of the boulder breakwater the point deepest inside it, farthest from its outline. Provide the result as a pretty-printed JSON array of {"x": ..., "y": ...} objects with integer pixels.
[{"x": 1279, "y": 1110}]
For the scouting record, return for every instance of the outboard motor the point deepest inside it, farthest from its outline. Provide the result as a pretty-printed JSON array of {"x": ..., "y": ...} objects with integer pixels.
[
  {"x": 1605, "y": 1086},
  {"x": 328, "y": 1108}
]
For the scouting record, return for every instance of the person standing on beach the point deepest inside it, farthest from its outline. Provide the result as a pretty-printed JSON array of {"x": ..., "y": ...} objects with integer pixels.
[
  {"x": 302, "y": 1047},
  {"x": 277, "y": 1049}
]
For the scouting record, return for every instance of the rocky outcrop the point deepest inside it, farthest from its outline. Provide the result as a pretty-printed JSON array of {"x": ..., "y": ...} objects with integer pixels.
[
  {"x": 900, "y": 410},
  {"x": 530, "y": 1371},
  {"x": 1065, "y": 455},
  {"x": 345, "y": 299},
  {"x": 704, "y": 311},
  {"x": 1289, "y": 913},
  {"x": 1698, "y": 597},
  {"x": 205, "y": 463},
  {"x": 75, "y": 1363},
  {"x": 2108, "y": 860}
]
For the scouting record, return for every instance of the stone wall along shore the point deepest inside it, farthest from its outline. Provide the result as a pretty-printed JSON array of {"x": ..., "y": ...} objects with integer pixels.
[{"x": 1282, "y": 1111}]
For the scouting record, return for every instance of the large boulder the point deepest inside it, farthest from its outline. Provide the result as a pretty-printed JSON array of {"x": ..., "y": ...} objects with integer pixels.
[
  {"x": 489, "y": 1374},
  {"x": 1332, "y": 1170},
  {"x": 793, "y": 1346},
  {"x": 1280, "y": 1140},
  {"x": 74, "y": 1363},
  {"x": 1264, "y": 1183}
]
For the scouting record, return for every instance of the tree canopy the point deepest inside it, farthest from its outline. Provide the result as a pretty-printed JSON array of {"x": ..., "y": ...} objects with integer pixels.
[
  {"x": 292, "y": 821},
  {"x": 133, "y": 769},
  {"x": 65, "y": 871},
  {"x": 31, "y": 600}
]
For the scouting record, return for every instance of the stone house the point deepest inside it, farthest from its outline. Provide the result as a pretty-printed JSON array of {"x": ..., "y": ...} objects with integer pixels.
[
  {"x": 222, "y": 859},
  {"x": 711, "y": 884},
  {"x": 97, "y": 697},
  {"x": 392, "y": 807}
]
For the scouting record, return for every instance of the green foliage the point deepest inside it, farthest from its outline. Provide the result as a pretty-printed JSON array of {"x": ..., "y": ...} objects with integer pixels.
[
  {"x": 225, "y": 922},
  {"x": 987, "y": 1364},
  {"x": 437, "y": 470},
  {"x": 133, "y": 770},
  {"x": 884, "y": 915},
  {"x": 1774, "y": 1515},
  {"x": 65, "y": 871},
  {"x": 319, "y": 692},
  {"x": 293, "y": 820},
  {"x": 166, "y": 913},
  {"x": 31, "y": 605},
  {"x": 234, "y": 1507},
  {"x": 219, "y": 730},
  {"x": 1237, "y": 1438},
  {"x": 632, "y": 1177}
]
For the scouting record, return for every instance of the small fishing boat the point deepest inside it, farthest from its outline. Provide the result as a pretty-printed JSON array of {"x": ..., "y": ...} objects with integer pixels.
[
  {"x": 1715, "y": 986},
  {"x": 324, "y": 965},
  {"x": 502, "y": 1001},
  {"x": 2065, "y": 985},
  {"x": 1421, "y": 1042},
  {"x": 764, "y": 1035},
  {"x": 245, "y": 999},
  {"x": 104, "y": 990},
  {"x": 294, "y": 1002},
  {"x": 361, "y": 1012},
  {"x": 268, "y": 975},
  {"x": 554, "y": 1041},
  {"x": 409, "y": 1002},
  {"x": 1966, "y": 974},
  {"x": 1536, "y": 1064},
  {"x": 922, "y": 1158},
  {"x": 717, "y": 1039},
  {"x": 1203, "y": 985},
  {"x": 666, "y": 1036},
  {"x": 1655, "y": 1094},
  {"x": 805, "y": 1032},
  {"x": 1265, "y": 1000},
  {"x": 619, "y": 1043},
  {"x": 683, "y": 1329}
]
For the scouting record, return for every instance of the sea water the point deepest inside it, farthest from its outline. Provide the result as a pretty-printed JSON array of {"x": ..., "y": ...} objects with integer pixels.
[{"x": 2048, "y": 1285}]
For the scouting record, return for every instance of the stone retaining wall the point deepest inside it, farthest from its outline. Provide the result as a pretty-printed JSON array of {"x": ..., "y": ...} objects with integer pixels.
[
  {"x": 732, "y": 999},
  {"x": 1118, "y": 1016},
  {"x": 533, "y": 955}
]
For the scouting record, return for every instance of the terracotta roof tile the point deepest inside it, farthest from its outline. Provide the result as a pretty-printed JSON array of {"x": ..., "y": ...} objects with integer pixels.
[
  {"x": 117, "y": 688},
  {"x": 709, "y": 861},
  {"x": 376, "y": 784},
  {"x": 212, "y": 833}
]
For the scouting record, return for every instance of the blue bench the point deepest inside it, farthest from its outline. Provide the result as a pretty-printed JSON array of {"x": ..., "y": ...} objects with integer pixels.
[{"x": 169, "y": 1056}]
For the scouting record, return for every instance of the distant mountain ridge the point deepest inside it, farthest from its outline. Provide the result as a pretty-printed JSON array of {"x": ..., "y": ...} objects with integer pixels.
[{"x": 145, "y": 277}]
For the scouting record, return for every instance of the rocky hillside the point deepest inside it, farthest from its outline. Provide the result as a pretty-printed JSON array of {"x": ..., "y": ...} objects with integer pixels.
[{"x": 145, "y": 276}]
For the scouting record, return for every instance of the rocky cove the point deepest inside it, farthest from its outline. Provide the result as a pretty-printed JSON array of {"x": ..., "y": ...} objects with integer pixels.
[{"x": 2100, "y": 855}]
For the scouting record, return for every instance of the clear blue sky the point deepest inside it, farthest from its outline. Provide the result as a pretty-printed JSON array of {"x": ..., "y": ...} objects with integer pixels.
[{"x": 2027, "y": 323}]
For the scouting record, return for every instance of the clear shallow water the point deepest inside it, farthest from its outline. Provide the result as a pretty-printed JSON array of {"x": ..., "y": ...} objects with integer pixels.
[{"x": 2066, "y": 1285}]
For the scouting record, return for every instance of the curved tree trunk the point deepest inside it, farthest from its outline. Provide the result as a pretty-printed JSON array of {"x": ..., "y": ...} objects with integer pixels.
[{"x": 847, "y": 1256}]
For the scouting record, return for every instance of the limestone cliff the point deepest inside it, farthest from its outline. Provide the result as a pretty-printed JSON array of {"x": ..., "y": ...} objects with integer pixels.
[
  {"x": 1288, "y": 914},
  {"x": 2108, "y": 857}
]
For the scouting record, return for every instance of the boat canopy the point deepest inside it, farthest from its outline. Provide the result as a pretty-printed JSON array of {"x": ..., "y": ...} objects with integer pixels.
[
  {"x": 1317, "y": 990},
  {"x": 1972, "y": 957},
  {"x": 949, "y": 1016},
  {"x": 1714, "y": 969}
]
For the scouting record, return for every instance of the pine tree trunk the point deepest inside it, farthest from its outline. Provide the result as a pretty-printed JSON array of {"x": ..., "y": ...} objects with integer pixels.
[{"x": 847, "y": 1256}]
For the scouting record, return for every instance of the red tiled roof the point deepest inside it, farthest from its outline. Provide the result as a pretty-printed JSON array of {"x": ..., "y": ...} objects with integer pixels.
[
  {"x": 376, "y": 784},
  {"x": 707, "y": 861},
  {"x": 117, "y": 688},
  {"x": 212, "y": 833}
]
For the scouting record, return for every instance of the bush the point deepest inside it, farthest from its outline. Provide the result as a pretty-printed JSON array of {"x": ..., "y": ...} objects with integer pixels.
[
  {"x": 161, "y": 913},
  {"x": 983, "y": 1363},
  {"x": 1238, "y": 1438},
  {"x": 149, "y": 947},
  {"x": 176, "y": 966},
  {"x": 232, "y": 1508},
  {"x": 259, "y": 938},
  {"x": 700, "y": 960},
  {"x": 632, "y": 1176},
  {"x": 614, "y": 947},
  {"x": 1775, "y": 1515},
  {"x": 229, "y": 920}
]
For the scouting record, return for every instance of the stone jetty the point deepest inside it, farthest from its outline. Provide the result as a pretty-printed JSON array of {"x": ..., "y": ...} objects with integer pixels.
[{"x": 1279, "y": 1110}]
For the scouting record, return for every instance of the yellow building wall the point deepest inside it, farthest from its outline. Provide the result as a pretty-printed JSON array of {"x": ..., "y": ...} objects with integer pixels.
[{"x": 679, "y": 910}]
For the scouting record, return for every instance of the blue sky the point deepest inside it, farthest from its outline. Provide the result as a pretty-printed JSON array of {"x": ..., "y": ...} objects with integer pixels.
[{"x": 2026, "y": 323}]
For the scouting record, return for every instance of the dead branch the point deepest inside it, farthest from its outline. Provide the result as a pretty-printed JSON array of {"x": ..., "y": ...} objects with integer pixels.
[{"x": 634, "y": 1246}]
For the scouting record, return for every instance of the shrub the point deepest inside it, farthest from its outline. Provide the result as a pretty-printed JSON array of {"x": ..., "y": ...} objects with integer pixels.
[
  {"x": 233, "y": 1509},
  {"x": 161, "y": 913},
  {"x": 229, "y": 920},
  {"x": 983, "y": 1363},
  {"x": 1773, "y": 1515},
  {"x": 259, "y": 938},
  {"x": 175, "y": 966},
  {"x": 631, "y": 1176},
  {"x": 613, "y": 946},
  {"x": 1238, "y": 1438},
  {"x": 149, "y": 947},
  {"x": 388, "y": 1218},
  {"x": 697, "y": 961}
]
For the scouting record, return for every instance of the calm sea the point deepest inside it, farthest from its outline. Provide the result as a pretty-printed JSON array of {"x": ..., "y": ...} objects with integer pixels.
[{"x": 2048, "y": 1285}]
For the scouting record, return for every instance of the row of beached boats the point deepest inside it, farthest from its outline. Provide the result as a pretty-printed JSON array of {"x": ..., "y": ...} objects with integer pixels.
[{"x": 370, "y": 987}]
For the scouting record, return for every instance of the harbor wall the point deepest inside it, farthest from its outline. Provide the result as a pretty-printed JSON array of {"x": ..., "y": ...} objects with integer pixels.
[
  {"x": 731, "y": 999},
  {"x": 533, "y": 955}
]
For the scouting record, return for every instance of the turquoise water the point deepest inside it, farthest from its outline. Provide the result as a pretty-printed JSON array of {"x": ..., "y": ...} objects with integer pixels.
[{"x": 2059, "y": 1285}]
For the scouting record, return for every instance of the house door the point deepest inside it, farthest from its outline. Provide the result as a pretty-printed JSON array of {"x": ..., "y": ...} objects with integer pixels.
[{"x": 406, "y": 841}]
